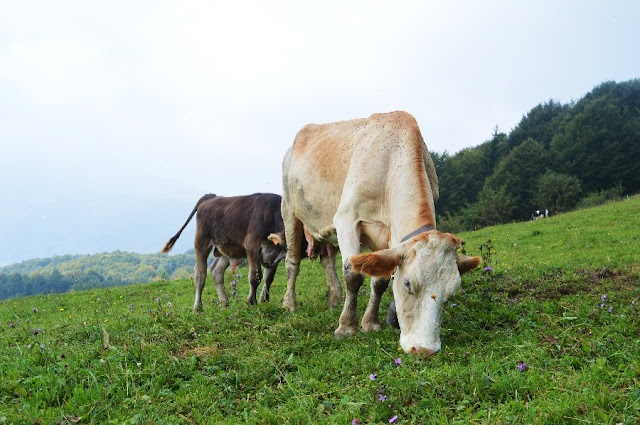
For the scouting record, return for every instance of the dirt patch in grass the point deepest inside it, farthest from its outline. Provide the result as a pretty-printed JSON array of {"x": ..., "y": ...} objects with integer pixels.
[
  {"x": 554, "y": 285},
  {"x": 199, "y": 351}
]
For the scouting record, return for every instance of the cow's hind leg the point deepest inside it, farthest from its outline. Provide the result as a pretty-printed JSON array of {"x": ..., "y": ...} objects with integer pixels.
[
  {"x": 334, "y": 290},
  {"x": 202, "y": 253},
  {"x": 293, "y": 234},
  {"x": 218, "y": 269},
  {"x": 255, "y": 276},
  {"x": 370, "y": 319}
]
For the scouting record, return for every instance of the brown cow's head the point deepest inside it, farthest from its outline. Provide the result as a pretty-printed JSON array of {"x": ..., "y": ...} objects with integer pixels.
[
  {"x": 427, "y": 273},
  {"x": 272, "y": 250}
]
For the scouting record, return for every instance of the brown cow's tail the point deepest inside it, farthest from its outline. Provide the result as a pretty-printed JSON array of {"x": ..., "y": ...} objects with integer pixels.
[{"x": 167, "y": 247}]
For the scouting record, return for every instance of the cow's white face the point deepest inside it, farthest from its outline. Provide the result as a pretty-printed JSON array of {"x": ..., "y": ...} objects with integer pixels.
[
  {"x": 424, "y": 281},
  {"x": 427, "y": 273}
]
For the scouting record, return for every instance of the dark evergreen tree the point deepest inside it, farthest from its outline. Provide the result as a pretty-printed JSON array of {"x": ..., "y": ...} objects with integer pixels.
[{"x": 600, "y": 142}]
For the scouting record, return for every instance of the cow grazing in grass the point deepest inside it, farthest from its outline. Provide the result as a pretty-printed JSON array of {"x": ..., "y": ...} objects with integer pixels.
[
  {"x": 371, "y": 183},
  {"x": 239, "y": 227}
]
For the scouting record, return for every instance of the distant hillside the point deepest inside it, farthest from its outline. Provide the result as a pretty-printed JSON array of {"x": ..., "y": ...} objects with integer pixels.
[{"x": 67, "y": 272}]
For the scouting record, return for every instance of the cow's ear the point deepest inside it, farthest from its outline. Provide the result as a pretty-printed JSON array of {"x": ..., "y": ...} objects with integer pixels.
[
  {"x": 377, "y": 264},
  {"x": 467, "y": 263},
  {"x": 276, "y": 239}
]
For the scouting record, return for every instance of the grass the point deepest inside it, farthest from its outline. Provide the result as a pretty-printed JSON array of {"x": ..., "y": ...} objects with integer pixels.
[{"x": 138, "y": 355}]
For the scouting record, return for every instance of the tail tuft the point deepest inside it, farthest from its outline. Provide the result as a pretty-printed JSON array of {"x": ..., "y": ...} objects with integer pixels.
[{"x": 167, "y": 247}]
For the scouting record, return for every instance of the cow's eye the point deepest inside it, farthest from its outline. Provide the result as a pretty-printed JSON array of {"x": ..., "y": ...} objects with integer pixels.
[{"x": 407, "y": 285}]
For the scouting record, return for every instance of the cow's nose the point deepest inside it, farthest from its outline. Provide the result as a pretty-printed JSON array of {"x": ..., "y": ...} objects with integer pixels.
[{"x": 423, "y": 351}]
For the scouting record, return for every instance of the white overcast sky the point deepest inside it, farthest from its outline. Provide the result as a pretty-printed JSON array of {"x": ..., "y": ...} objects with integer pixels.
[{"x": 103, "y": 102}]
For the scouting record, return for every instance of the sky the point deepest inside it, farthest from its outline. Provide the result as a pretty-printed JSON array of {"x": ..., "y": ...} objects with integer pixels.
[{"x": 115, "y": 117}]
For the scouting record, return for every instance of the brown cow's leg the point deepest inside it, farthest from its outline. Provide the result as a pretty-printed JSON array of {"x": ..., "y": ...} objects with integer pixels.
[
  {"x": 370, "y": 319},
  {"x": 293, "y": 235},
  {"x": 217, "y": 271},
  {"x": 255, "y": 276},
  {"x": 202, "y": 250},
  {"x": 334, "y": 290}
]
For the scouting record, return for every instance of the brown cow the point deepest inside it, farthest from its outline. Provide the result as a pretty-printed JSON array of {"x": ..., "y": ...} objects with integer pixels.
[
  {"x": 371, "y": 182},
  {"x": 239, "y": 227},
  {"x": 248, "y": 227}
]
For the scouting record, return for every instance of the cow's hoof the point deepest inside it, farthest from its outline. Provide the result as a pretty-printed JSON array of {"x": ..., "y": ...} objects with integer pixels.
[
  {"x": 344, "y": 332},
  {"x": 289, "y": 307},
  {"x": 333, "y": 302},
  {"x": 371, "y": 326},
  {"x": 197, "y": 308}
]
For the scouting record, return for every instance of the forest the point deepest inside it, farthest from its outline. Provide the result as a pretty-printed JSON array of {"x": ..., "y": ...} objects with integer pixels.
[{"x": 559, "y": 157}]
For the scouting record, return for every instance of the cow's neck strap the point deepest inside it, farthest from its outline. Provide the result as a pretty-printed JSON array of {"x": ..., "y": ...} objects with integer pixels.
[{"x": 417, "y": 232}]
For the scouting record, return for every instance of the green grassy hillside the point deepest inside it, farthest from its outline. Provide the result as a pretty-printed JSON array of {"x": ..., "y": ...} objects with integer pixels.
[{"x": 550, "y": 335}]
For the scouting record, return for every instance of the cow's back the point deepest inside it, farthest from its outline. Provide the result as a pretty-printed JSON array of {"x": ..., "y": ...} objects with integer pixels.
[
  {"x": 355, "y": 161},
  {"x": 235, "y": 219}
]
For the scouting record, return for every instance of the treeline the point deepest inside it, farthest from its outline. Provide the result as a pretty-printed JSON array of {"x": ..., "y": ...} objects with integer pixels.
[
  {"x": 559, "y": 157},
  {"x": 75, "y": 272}
]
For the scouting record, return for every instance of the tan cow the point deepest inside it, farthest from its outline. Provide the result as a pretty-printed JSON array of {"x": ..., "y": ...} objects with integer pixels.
[{"x": 371, "y": 183}]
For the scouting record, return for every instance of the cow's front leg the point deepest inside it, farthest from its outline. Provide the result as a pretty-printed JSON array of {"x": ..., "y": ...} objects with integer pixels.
[
  {"x": 370, "y": 319},
  {"x": 269, "y": 274},
  {"x": 334, "y": 290},
  {"x": 218, "y": 268},
  {"x": 349, "y": 246},
  {"x": 255, "y": 276}
]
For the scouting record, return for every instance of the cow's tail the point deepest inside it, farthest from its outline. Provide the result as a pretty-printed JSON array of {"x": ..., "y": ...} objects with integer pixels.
[{"x": 167, "y": 247}]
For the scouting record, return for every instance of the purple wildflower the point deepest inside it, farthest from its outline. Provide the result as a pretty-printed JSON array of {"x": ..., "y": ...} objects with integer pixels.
[
  {"x": 488, "y": 269},
  {"x": 603, "y": 298},
  {"x": 354, "y": 422},
  {"x": 398, "y": 360},
  {"x": 373, "y": 376},
  {"x": 11, "y": 325},
  {"x": 35, "y": 310},
  {"x": 238, "y": 275},
  {"x": 27, "y": 321},
  {"x": 462, "y": 292},
  {"x": 610, "y": 309},
  {"x": 169, "y": 305},
  {"x": 382, "y": 397},
  {"x": 610, "y": 341},
  {"x": 453, "y": 304},
  {"x": 158, "y": 299},
  {"x": 29, "y": 346},
  {"x": 522, "y": 366},
  {"x": 392, "y": 420},
  {"x": 602, "y": 305}
]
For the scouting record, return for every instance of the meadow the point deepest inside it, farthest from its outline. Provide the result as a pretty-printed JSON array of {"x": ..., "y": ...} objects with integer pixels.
[{"x": 550, "y": 334}]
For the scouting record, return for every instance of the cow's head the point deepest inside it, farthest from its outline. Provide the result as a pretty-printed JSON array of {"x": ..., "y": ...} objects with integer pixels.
[
  {"x": 273, "y": 249},
  {"x": 427, "y": 273}
]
